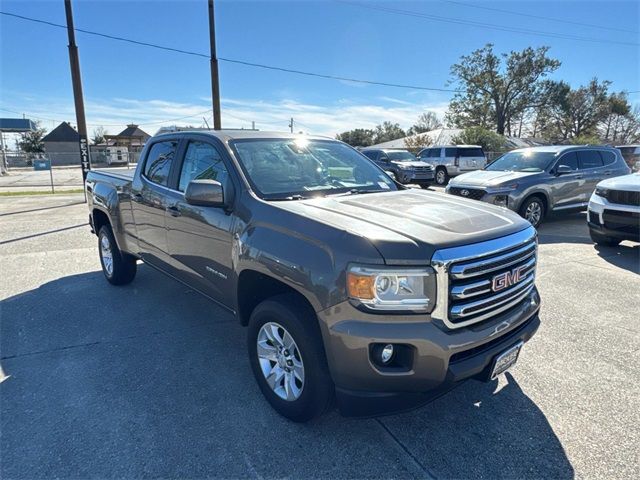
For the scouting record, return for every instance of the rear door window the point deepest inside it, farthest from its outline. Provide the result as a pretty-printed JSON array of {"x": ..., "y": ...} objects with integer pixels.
[
  {"x": 434, "y": 153},
  {"x": 589, "y": 159},
  {"x": 159, "y": 161},
  {"x": 450, "y": 152},
  {"x": 608, "y": 157}
]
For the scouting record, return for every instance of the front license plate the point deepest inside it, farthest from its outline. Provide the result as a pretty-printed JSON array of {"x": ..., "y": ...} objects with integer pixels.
[{"x": 505, "y": 360}]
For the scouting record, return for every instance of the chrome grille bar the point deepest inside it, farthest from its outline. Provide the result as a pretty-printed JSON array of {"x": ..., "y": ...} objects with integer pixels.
[{"x": 494, "y": 263}]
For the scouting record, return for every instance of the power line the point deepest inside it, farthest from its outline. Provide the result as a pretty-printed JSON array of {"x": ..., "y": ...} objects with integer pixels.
[
  {"x": 109, "y": 124},
  {"x": 238, "y": 62},
  {"x": 540, "y": 17},
  {"x": 490, "y": 26}
]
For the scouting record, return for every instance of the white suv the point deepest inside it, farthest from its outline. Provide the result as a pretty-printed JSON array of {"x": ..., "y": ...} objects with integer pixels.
[
  {"x": 614, "y": 210},
  {"x": 451, "y": 160}
]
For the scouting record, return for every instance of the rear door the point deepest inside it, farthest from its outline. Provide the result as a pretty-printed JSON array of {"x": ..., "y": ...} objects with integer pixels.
[
  {"x": 471, "y": 158},
  {"x": 200, "y": 238},
  {"x": 592, "y": 166},
  {"x": 149, "y": 192}
]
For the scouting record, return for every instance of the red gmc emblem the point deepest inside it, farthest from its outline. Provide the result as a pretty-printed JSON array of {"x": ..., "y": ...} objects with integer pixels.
[{"x": 506, "y": 279}]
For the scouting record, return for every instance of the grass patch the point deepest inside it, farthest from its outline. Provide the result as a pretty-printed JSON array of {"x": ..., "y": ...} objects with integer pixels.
[{"x": 40, "y": 192}]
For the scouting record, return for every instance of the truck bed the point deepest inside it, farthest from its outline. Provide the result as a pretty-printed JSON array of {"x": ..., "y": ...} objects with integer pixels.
[{"x": 119, "y": 173}]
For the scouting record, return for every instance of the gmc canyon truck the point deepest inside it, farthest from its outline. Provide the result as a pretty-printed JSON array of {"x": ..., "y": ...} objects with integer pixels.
[{"x": 355, "y": 289}]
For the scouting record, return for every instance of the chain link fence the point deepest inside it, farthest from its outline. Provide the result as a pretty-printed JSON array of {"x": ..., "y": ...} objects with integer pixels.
[{"x": 57, "y": 172}]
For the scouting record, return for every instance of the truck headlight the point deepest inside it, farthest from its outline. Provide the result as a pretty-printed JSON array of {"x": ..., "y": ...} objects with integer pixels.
[
  {"x": 602, "y": 192},
  {"x": 404, "y": 167},
  {"x": 409, "y": 289}
]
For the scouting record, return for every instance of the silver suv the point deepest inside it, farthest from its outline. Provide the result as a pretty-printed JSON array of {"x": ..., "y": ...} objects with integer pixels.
[
  {"x": 538, "y": 180},
  {"x": 451, "y": 160}
]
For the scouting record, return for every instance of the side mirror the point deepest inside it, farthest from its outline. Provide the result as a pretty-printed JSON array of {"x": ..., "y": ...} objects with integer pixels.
[
  {"x": 563, "y": 170},
  {"x": 205, "y": 193}
]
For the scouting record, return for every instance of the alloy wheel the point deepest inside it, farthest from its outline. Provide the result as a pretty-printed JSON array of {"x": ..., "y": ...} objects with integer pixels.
[
  {"x": 533, "y": 213},
  {"x": 106, "y": 254},
  {"x": 441, "y": 177},
  {"x": 280, "y": 361}
]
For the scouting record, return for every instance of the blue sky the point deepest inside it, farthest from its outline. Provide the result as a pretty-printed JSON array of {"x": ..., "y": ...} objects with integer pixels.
[{"x": 127, "y": 83}]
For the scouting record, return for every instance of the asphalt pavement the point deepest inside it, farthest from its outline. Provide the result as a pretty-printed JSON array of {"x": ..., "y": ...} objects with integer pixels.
[{"x": 152, "y": 380}]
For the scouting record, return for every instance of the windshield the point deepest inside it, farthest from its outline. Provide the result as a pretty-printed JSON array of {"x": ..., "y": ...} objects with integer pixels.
[
  {"x": 522, "y": 161},
  {"x": 289, "y": 169},
  {"x": 401, "y": 156}
]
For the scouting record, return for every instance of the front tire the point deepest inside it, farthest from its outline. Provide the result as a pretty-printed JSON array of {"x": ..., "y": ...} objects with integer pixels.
[
  {"x": 533, "y": 210},
  {"x": 119, "y": 268},
  {"x": 442, "y": 176},
  {"x": 287, "y": 358}
]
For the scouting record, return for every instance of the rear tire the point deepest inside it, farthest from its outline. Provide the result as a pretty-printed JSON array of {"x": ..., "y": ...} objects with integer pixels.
[
  {"x": 603, "y": 239},
  {"x": 442, "y": 176},
  {"x": 286, "y": 331},
  {"x": 533, "y": 210},
  {"x": 119, "y": 268}
]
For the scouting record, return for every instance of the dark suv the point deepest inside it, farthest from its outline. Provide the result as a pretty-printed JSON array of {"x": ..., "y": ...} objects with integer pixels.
[
  {"x": 406, "y": 168},
  {"x": 535, "y": 181}
]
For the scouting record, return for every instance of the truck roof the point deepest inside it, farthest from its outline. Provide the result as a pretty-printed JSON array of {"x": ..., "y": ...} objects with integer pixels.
[{"x": 236, "y": 134}]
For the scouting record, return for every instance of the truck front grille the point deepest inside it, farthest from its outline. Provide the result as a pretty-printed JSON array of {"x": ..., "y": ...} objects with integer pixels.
[
  {"x": 480, "y": 281},
  {"x": 474, "y": 193},
  {"x": 623, "y": 197},
  {"x": 425, "y": 168}
]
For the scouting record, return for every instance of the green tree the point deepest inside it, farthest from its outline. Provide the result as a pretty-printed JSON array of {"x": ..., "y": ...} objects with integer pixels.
[
  {"x": 359, "y": 137},
  {"x": 619, "y": 113},
  {"x": 426, "y": 122},
  {"x": 98, "y": 135},
  {"x": 496, "y": 89},
  {"x": 487, "y": 139},
  {"x": 387, "y": 131},
  {"x": 578, "y": 112},
  {"x": 417, "y": 142},
  {"x": 31, "y": 142}
]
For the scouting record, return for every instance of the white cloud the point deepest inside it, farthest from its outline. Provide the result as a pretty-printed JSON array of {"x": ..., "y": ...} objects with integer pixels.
[{"x": 343, "y": 114}]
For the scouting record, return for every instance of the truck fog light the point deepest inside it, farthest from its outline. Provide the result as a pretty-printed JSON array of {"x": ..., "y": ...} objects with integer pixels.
[{"x": 387, "y": 353}]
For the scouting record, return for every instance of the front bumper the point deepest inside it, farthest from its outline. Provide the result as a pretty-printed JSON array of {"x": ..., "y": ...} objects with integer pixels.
[
  {"x": 411, "y": 176},
  {"x": 621, "y": 222},
  {"x": 442, "y": 358}
]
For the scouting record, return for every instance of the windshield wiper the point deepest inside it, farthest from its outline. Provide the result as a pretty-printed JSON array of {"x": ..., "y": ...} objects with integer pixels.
[
  {"x": 290, "y": 197},
  {"x": 356, "y": 191}
]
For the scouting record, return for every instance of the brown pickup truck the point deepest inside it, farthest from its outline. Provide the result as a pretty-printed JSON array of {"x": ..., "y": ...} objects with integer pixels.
[{"x": 353, "y": 287}]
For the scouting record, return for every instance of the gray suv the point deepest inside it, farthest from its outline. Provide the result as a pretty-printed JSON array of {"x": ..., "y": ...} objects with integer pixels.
[
  {"x": 403, "y": 164},
  {"x": 535, "y": 181},
  {"x": 451, "y": 160}
]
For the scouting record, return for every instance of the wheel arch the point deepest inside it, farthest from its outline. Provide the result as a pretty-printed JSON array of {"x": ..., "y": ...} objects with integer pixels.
[{"x": 254, "y": 287}]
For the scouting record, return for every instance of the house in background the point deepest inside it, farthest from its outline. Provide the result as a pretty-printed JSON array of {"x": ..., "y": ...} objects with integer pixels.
[
  {"x": 126, "y": 146},
  {"x": 62, "y": 145}
]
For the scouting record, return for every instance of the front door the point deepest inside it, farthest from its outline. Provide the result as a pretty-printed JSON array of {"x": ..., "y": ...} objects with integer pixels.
[
  {"x": 200, "y": 238},
  {"x": 567, "y": 190},
  {"x": 149, "y": 202}
]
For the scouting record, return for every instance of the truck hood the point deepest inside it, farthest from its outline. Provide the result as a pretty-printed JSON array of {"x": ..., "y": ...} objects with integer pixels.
[
  {"x": 489, "y": 178},
  {"x": 629, "y": 183},
  {"x": 408, "y": 226}
]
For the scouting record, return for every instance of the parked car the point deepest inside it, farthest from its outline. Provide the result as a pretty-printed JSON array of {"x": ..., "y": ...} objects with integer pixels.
[
  {"x": 402, "y": 164},
  {"x": 614, "y": 210},
  {"x": 538, "y": 180},
  {"x": 451, "y": 160},
  {"x": 631, "y": 154},
  {"x": 352, "y": 286}
]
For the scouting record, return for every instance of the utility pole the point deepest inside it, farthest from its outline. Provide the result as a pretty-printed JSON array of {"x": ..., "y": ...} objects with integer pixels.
[
  {"x": 215, "y": 81},
  {"x": 291, "y": 124},
  {"x": 78, "y": 99}
]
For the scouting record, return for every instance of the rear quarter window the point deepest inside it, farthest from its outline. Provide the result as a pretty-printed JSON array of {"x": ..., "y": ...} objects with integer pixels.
[
  {"x": 589, "y": 159},
  {"x": 470, "y": 152}
]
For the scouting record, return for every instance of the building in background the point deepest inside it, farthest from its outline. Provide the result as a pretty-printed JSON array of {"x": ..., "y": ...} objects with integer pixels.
[{"x": 62, "y": 145}]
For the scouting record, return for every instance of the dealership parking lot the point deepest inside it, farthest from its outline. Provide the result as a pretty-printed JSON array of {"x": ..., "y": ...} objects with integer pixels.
[{"x": 153, "y": 380}]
